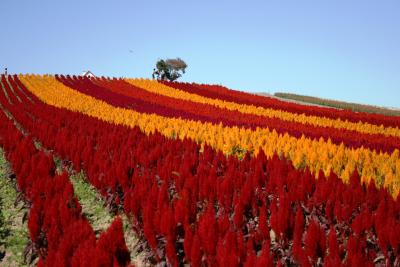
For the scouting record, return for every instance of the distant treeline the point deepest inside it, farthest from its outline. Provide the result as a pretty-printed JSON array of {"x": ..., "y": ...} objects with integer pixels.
[{"x": 339, "y": 104}]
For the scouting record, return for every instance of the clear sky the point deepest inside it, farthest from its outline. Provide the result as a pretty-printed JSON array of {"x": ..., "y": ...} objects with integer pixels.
[{"x": 340, "y": 49}]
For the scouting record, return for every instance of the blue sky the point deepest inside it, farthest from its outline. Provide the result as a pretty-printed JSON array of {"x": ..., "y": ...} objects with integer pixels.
[{"x": 347, "y": 50}]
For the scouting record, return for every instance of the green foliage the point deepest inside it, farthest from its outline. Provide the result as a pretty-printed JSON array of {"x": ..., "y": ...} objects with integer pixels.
[
  {"x": 240, "y": 152},
  {"x": 170, "y": 69},
  {"x": 3, "y": 231},
  {"x": 13, "y": 229},
  {"x": 93, "y": 206}
]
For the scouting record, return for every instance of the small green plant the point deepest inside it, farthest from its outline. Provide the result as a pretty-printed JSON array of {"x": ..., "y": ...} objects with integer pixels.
[{"x": 240, "y": 152}]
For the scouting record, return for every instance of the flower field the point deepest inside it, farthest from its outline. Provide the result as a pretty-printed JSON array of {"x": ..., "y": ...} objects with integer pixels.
[{"x": 207, "y": 176}]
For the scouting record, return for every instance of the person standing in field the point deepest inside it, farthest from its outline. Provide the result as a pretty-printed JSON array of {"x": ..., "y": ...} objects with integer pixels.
[{"x": 155, "y": 74}]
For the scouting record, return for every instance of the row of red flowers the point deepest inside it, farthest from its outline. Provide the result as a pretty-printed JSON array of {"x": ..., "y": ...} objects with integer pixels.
[{"x": 197, "y": 206}]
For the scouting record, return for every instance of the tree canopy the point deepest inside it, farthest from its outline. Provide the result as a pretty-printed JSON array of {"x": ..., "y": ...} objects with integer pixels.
[{"x": 170, "y": 69}]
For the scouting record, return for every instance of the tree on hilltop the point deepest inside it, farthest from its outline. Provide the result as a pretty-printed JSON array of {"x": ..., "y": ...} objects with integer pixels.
[{"x": 169, "y": 69}]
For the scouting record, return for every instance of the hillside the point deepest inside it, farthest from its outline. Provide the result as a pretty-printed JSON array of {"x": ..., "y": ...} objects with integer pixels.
[{"x": 123, "y": 172}]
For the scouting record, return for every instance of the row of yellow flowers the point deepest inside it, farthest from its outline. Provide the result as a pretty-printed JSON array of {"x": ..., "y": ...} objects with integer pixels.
[
  {"x": 158, "y": 88},
  {"x": 383, "y": 168}
]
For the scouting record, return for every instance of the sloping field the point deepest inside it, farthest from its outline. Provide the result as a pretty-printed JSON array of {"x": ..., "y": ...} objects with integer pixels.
[
  {"x": 339, "y": 104},
  {"x": 202, "y": 174}
]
